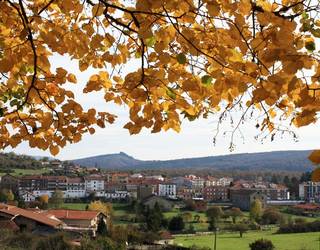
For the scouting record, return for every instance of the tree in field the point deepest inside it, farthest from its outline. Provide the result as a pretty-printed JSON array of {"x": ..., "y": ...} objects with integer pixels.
[
  {"x": 192, "y": 59},
  {"x": 234, "y": 213},
  {"x": 256, "y": 210},
  {"x": 103, "y": 207},
  {"x": 154, "y": 218},
  {"x": 241, "y": 228},
  {"x": 176, "y": 223},
  {"x": 56, "y": 199},
  {"x": 44, "y": 200},
  {"x": 6, "y": 195},
  {"x": 196, "y": 218},
  {"x": 261, "y": 244},
  {"x": 213, "y": 215},
  {"x": 187, "y": 217}
]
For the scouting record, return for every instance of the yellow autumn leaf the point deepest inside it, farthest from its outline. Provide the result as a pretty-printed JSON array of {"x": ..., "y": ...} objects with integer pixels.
[
  {"x": 72, "y": 78},
  {"x": 314, "y": 157},
  {"x": 97, "y": 10},
  {"x": 54, "y": 150},
  {"x": 315, "y": 175}
]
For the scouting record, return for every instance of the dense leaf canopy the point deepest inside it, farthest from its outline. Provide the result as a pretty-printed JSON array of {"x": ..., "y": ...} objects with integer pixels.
[{"x": 191, "y": 59}]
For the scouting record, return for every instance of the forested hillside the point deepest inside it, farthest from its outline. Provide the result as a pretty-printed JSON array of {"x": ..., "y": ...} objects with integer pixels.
[
  {"x": 278, "y": 160},
  {"x": 12, "y": 160}
]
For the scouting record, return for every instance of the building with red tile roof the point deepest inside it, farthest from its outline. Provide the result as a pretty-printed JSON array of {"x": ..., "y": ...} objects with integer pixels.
[
  {"x": 29, "y": 220},
  {"x": 76, "y": 220},
  {"x": 65, "y": 214}
]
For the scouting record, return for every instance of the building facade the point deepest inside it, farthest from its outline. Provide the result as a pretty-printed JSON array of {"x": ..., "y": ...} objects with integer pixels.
[
  {"x": 168, "y": 190},
  {"x": 309, "y": 191},
  {"x": 243, "y": 198},
  {"x": 215, "y": 193}
]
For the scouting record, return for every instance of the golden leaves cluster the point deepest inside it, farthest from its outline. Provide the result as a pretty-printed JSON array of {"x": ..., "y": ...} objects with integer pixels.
[{"x": 183, "y": 59}]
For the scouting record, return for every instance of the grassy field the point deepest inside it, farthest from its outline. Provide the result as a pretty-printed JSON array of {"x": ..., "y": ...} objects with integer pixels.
[
  {"x": 18, "y": 171},
  {"x": 230, "y": 241},
  {"x": 74, "y": 206}
]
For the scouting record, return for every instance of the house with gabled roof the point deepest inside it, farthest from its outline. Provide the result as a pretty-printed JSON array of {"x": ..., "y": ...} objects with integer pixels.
[
  {"x": 77, "y": 220},
  {"x": 29, "y": 220}
]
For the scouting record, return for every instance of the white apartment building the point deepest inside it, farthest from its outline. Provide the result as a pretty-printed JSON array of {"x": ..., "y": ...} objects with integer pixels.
[
  {"x": 198, "y": 183},
  {"x": 76, "y": 188},
  {"x": 94, "y": 183},
  {"x": 167, "y": 190}
]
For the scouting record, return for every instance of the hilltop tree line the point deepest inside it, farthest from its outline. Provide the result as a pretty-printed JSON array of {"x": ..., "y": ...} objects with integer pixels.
[{"x": 8, "y": 161}]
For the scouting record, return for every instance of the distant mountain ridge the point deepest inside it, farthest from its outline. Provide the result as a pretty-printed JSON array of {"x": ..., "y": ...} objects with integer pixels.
[
  {"x": 276, "y": 160},
  {"x": 121, "y": 160}
]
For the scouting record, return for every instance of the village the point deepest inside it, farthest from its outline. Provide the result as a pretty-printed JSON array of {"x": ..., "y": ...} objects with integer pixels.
[{"x": 50, "y": 203}]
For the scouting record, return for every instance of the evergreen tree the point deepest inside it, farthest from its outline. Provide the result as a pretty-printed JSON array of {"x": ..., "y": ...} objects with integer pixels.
[
  {"x": 102, "y": 227},
  {"x": 56, "y": 199},
  {"x": 176, "y": 224}
]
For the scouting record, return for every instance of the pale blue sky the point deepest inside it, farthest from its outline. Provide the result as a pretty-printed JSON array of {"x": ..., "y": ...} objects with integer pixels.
[{"x": 194, "y": 140}]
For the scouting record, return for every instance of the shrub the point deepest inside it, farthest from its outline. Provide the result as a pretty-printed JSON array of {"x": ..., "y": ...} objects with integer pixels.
[
  {"x": 300, "y": 220},
  {"x": 176, "y": 224},
  {"x": 21, "y": 240},
  {"x": 300, "y": 227},
  {"x": 54, "y": 242},
  {"x": 261, "y": 244},
  {"x": 271, "y": 216}
]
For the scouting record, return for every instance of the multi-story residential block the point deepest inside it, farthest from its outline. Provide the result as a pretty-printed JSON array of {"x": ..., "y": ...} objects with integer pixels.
[
  {"x": 210, "y": 181},
  {"x": 198, "y": 183},
  {"x": 185, "y": 193},
  {"x": 167, "y": 190},
  {"x": 94, "y": 183},
  {"x": 144, "y": 191},
  {"x": 76, "y": 188},
  {"x": 215, "y": 193},
  {"x": 181, "y": 182},
  {"x": 34, "y": 182},
  {"x": 309, "y": 191},
  {"x": 56, "y": 182},
  {"x": 120, "y": 178}
]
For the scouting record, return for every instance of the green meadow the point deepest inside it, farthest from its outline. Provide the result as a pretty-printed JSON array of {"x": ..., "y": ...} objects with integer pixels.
[{"x": 230, "y": 241}]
